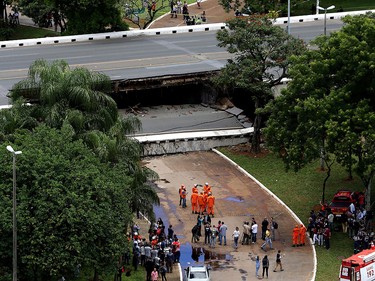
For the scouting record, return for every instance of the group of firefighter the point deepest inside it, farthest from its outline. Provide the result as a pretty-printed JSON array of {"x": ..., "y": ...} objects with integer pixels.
[
  {"x": 299, "y": 235},
  {"x": 201, "y": 202}
]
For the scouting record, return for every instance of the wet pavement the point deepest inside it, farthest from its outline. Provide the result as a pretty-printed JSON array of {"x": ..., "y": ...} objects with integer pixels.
[{"x": 238, "y": 199}]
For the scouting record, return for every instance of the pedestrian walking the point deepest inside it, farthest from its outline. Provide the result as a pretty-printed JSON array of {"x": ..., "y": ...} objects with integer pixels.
[
  {"x": 264, "y": 228},
  {"x": 268, "y": 240},
  {"x": 214, "y": 234},
  {"x": 274, "y": 228},
  {"x": 257, "y": 266},
  {"x": 154, "y": 275},
  {"x": 254, "y": 231},
  {"x": 223, "y": 234},
  {"x": 265, "y": 264},
  {"x": 278, "y": 262},
  {"x": 163, "y": 272},
  {"x": 236, "y": 236}
]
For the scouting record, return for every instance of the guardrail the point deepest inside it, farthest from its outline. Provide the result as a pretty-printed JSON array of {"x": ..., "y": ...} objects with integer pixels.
[{"x": 159, "y": 31}]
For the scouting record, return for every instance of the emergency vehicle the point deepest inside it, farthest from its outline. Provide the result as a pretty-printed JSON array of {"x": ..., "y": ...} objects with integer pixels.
[{"x": 359, "y": 267}]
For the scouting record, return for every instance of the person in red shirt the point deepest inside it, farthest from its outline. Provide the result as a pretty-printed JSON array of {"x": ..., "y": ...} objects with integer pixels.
[
  {"x": 176, "y": 249},
  {"x": 327, "y": 237}
]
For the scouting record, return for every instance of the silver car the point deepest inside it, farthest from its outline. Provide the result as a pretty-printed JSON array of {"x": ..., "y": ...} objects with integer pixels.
[{"x": 198, "y": 273}]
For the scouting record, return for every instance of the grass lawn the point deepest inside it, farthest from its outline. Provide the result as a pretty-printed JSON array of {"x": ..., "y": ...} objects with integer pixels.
[
  {"x": 29, "y": 32},
  {"x": 140, "y": 274},
  {"x": 299, "y": 7},
  {"x": 301, "y": 192}
]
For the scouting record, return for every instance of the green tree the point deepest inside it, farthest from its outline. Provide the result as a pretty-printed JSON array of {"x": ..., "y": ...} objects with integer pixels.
[
  {"x": 330, "y": 103},
  {"x": 142, "y": 13},
  {"x": 72, "y": 209},
  {"x": 261, "y": 57},
  {"x": 78, "y": 16},
  {"x": 254, "y": 6},
  {"x": 79, "y": 97}
]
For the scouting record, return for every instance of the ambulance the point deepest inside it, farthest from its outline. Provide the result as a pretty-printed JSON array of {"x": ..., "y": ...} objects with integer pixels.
[{"x": 359, "y": 267}]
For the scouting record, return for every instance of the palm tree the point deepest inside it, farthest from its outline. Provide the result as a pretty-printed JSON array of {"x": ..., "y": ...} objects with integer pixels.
[{"x": 63, "y": 92}]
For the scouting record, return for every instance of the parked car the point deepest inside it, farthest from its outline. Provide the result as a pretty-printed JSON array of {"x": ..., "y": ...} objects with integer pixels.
[
  {"x": 341, "y": 202},
  {"x": 197, "y": 273}
]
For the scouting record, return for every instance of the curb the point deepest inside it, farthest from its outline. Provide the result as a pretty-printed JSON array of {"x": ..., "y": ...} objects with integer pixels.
[{"x": 275, "y": 197}]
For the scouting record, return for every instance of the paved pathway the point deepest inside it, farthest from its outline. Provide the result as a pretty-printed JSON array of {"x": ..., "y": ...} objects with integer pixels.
[{"x": 238, "y": 199}]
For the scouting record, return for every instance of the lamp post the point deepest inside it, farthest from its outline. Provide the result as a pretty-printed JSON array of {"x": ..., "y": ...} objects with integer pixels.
[
  {"x": 325, "y": 16},
  {"x": 11, "y": 150},
  {"x": 289, "y": 17}
]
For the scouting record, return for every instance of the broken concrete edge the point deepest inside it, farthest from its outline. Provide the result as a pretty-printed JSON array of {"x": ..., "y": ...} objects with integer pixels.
[
  {"x": 275, "y": 197},
  {"x": 193, "y": 135}
]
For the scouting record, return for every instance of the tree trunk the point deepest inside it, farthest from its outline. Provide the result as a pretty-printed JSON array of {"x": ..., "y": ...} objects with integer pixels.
[
  {"x": 255, "y": 142},
  {"x": 326, "y": 178},
  {"x": 96, "y": 276},
  {"x": 3, "y": 11},
  {"x": 368, "y": 191}
]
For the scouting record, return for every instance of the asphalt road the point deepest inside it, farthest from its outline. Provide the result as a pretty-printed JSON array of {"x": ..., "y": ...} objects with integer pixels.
[{"x": 142, "y": 56}]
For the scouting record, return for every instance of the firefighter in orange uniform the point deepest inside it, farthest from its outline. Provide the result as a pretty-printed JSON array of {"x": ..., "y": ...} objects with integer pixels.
[
  {"x": 194, "y": 202},
  {"x": 194, "y": 189},
  {"x": 205, "y": 195},
  {"x": 201, "y": 203},
  {"x": 210, "y": 204},
  {"x": 302, "y": 235},
  {"x": 296, "y": 236},
  {"x": 206, "y": 188}
]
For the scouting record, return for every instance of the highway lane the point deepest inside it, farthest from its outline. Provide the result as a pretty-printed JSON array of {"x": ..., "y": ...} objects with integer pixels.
[{"x": 133, "y": 57}]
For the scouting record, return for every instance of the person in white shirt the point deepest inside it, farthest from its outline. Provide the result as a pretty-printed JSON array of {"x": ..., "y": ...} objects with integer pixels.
[
  {"x": 236, "y": 236},
  {"x": 254, "y": 231}
]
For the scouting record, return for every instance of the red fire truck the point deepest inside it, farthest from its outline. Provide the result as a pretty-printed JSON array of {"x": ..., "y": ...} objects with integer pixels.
[{"x": 359, "y": 267}]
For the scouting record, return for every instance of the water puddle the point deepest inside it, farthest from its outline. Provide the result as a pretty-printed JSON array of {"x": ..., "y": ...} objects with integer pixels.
[
  {"x": 238, "y": 199},
  {"x": 191, "y": 255}
]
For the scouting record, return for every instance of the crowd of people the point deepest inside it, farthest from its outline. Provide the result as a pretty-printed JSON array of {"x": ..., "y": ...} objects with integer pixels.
[
  {"x": 157, "y": 254},
  {"x": 356, "y": 222},
  {"x": 183, "y": 9}
]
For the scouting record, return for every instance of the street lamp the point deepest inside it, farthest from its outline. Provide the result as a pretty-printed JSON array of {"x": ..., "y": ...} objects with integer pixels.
[
  {"x": 325, "y": 16},
  {"x": 11, "y": 150},
  {"x": 289, "y": 17}
]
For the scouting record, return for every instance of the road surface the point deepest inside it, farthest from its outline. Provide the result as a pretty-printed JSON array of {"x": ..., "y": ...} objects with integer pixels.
[{"x": 134, "y": 57}]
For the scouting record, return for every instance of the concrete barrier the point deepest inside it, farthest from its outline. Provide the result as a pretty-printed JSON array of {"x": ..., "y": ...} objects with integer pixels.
[
  {"x": 111, "y": 35},
  {"x": 330, "y": 16},
  {"x": 159, "y": 31},
  {"x": 192, "y": 141}
]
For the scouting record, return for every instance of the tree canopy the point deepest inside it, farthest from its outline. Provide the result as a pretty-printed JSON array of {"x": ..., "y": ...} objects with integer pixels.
[
  {"x": 329, "y": 105},
  {"x": 80, "y": 178},
  {"x": 142, "y": 13},
  {"x": 261, "y": 58},
  {"x": 255, "y": 6},
  {"x": 78, "y": 16},
  {"x": 72, "y": 209}
]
